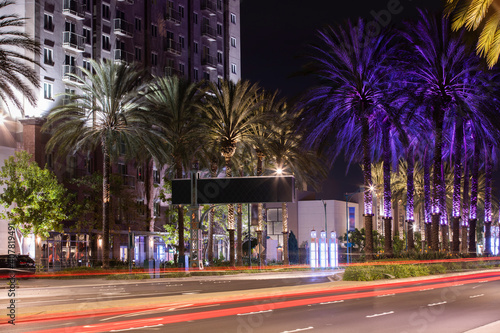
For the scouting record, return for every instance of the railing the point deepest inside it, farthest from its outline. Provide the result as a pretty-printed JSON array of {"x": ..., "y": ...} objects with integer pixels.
[
  {"x": 173, "y": 15},
  {"x": 172, "y": 46},
  {"x": 73, "y": 8},
  {"x": 69, "y": 71},
  {"x": 73, "y": 41},
  {"x": 123, "y": 28},
  {"x": 208, "y": 60},
  {"x": 123, "y": 56},
  {"x": 208, "y": 5},
  {"x": 208, "y": 31}
]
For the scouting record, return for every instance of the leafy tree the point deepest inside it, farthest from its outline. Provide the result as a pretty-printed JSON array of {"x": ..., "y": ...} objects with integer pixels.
[
  {"x": 38, "y": 203},
  {"x": 106, "y": 112},
  {"x": 16, "y": 59}
]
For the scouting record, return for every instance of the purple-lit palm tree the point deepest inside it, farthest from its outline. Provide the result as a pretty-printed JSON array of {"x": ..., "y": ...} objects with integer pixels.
[
  {"x": 353, "y": 70},
  {"x": 439, "y": 67}
]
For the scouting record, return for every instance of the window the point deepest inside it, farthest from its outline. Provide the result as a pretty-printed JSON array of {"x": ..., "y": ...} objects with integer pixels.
[
  {"x": 88, "y": 35},
  {"x": 89, "y": 163},
  {"x": 106, "y": 45},
  {"x": 140, "y": 207},
  {"x": 181, "y": 69},
  {"x": 71, "y": 165},
  {"x": 48, "y": 23},
  {"x": 154, "y": 59},
  {"x": 233, "y": 42},
  {"x": 140, "y": 174},
  {"x": 49, "y": 161},
  {"x": 219, "y": 4},
  {"x": 48, "y": 56},
  {"x": 67, "y": 95},
  {"x": 219, "y": 57},
  {"x": 196, "y": 74},
  {"x": 156, "y": 208},
  {"x": 138, "y": 54},
  {"x": 86, "y": 65},
  {"x": 105, "y": 12},
  {"x": 122, "y": 168},
  {"x": 195, "y": 46},
  {"x": 181, "y": 41},
  {"x": 154, "y": 30},
  {"x": 156, "y": 176},
  {"x": 206, "y": 76},
  {"x": 219, "y": 29},
  {"x": 138, "y": 24},
  {"x": 233, "y": 18},
  {"x": 195, "y": 18},
  {"x": 181, "y": 11},
  {"x": 47, "y": 90},
  {"x": 233, "y": 68}
]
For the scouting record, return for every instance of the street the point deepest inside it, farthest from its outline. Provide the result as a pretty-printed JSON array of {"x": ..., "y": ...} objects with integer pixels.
[{"x": 240, "y": 304}]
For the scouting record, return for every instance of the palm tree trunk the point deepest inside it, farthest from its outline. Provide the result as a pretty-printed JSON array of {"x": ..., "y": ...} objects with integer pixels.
[
  {"x": 457, "y": 173},
  {"x": 487, "y": 204},
  {"x": 106, "y": 205},
  {"x": 261, "y": 226},
  {"x": 367, "y": 176},
  {"x": 437, "y": 181},
  {"x": 387, "y": 192},
  {"x": 211, "y": 218},
  {"x": 410, "y": 189},
  {"x": 465, "y": 207},
  {"x": 239, "y": 239},
  {"x": 180, "y": 219},
  {"x": 473, "y": 202},
  {"x": 284, "y": 214},
  {"x": 230, "y": 217},
  {"x": 427, "y": 200}
]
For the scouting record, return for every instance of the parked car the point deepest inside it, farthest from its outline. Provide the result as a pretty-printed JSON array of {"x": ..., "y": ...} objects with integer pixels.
[{"x": 21, "y": 265}]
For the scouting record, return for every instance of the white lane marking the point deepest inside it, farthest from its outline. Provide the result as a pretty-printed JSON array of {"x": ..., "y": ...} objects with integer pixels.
[
  {"x": 252, "y": 313},
  {"x": 380, "y": 314},
  {"x": 136, "y": 328},
  {"x": 458, "y": 285},
  {"x": 426, "y": 289},
  {"x": 482, "y": 281},
  {"x": 299, "y": 329},
  {"x": 439, "y": 303},
  {"x": 331, "y": 302},
  {"x": 474, "y": 296},
  {"x": 475, "y": 287},
  {"x": 140, "y": 313},
  {"x": 386, "y": 295}
]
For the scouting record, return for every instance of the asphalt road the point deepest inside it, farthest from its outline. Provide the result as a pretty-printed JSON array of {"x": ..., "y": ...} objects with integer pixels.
[{"x": 451, "y": 304}]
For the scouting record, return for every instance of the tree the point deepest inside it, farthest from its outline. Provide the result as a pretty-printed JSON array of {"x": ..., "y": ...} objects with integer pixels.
[
  {"x": 16, "y": 67},
  {"x": 293, "y": 249},
  {"x": 178, "y": 99},
  {"x": 229, "y": 113},
  {"x": 353, "y": 70},
  {"x": 478, "y": 14},
  {"x": 34, "y": 200},
  {"x": 105, "y": 112}
]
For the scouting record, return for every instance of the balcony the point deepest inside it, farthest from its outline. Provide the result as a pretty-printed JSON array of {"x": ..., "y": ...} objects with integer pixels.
[
  {"x": 171, "y": 71},
  {"x": 172, "y": 46},
  {"x": 173, "y": 15},
  {"x": 128, "y": 2},
  {"x": 209, "y": 6},
  {"x": 209, "y": 32},
  {"x": 209, "y": 61},
  {"x": 69, "y": 73},
  {"x": 123, "y": 56},
  {"x": 74, "y": 9},
  {"x": 123, "y": 28},
  {"x": 73, "y": 41}
]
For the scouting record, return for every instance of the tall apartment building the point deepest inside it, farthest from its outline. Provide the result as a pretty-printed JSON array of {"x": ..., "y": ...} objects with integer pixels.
[{"x": 194, "y": 39}]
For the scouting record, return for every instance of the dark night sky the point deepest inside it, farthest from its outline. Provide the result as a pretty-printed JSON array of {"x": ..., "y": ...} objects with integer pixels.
[{"x": 274, "y": 35}]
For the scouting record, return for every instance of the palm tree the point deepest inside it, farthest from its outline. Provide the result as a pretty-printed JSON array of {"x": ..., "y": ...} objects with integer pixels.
[
  {"x": 178, "y": 100},
  {"x": 106, "y": 112},
  {"x": 229, "y": 113},
  {"x": 353, "y": 70},
  {"x": 16, "y": 68},
  {"x": 439, "y": 68},
  {"x": 289, "y": 157},
  {"x": 471, "y": 14}
]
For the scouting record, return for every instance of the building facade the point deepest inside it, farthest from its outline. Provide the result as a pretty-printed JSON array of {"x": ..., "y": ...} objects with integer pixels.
[{"x": 194, "y": 39}]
